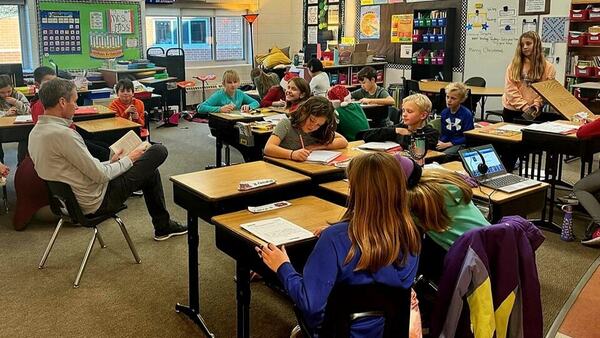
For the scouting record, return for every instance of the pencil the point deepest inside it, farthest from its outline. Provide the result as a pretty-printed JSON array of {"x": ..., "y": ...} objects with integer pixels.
[{"x": 301, "y": 141}]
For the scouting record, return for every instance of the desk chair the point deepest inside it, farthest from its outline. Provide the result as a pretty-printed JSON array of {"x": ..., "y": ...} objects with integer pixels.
[
  {"x": 394, "y": 114},
  {"x": 410, "y": 87},
  {"x": 349, "y": 303},
  {"x": 473, "y": 100},
  {"x": 64, "y": 205}
]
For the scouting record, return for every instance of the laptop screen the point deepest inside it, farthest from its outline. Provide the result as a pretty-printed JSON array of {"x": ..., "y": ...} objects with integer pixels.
[{"x": 471, "y": 160}]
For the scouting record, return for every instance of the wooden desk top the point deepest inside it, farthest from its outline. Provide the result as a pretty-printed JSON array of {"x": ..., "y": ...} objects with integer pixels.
[
  {"x": 483, "y": 134},
  {"x": 9, "y": 121},
  {"x": 560, "y": 98},
  {"x": 107, "y": 124},
  {"x": 221, "y": 183},
  {"x": 436, "y": 86},
  {"x": 341, "y": 187},
  {"x": 320, "y": 213},
  {"x": 497, "y": 196},
  {"x": 314, "y": 169}
]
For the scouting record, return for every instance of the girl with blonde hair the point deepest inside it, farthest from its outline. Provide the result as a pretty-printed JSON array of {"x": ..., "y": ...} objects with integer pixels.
[
  {"x": 229, "y": 98},
  {"x": 528, "y": 66},
  {"x": 376, "y": 241}
]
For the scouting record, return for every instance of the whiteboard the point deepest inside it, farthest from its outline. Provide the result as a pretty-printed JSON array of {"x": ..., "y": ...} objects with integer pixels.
[{"x": 489, "y": 45}]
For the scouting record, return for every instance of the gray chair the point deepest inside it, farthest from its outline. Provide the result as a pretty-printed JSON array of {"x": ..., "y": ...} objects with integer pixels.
[{"x": 64, "y": 205}]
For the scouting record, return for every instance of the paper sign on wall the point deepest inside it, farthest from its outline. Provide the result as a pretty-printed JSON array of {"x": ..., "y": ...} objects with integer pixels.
[
  {"x": 369, "y": 22},
  {"x": 401, "y": 31},
  {"x": 96, "y": 20},
  {"x": 120, "y": 21}
]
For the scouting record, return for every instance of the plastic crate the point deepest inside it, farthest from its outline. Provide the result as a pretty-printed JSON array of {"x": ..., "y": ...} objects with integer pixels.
[
  {"x": 577, "y": 39},
  {"x": 593, "y": 38},
  {"x": 584, "y": 71},
  {"x": 142, "y": 95},
  {"x": 594, "y": 14},
  {"x": 579, "y": 14}
]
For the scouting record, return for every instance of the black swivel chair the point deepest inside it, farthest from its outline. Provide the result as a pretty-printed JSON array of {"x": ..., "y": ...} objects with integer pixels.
[
  {"x": 410, "y": 87},
  {"x": 473, "y": 100},
  {"x": 64, "y": 205},
  {"x": 348, "y": 303}
]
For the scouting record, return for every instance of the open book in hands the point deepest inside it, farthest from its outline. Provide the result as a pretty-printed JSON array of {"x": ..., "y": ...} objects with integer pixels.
[{"x": 128, "y": 143}]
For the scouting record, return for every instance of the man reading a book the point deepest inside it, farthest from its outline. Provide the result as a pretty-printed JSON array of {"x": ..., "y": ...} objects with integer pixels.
[{"x": 60, "y": 154}]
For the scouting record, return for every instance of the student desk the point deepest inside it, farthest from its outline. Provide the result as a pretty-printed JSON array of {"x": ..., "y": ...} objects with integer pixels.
[
  {"x": 522, "y": 202},
  {"x": 308, "y": 212},
  {"x": 489, "y": 134},
  {"x": 223, "y": 128},
  {"x": 322, "y": 172},
  {"x": 11, "y": 132},
  {"x": 435, "y": 87},
  {"x": 103, "y": 112},
  {"x": 209, "y": 193},
  {"x": 109, "y": 129}
]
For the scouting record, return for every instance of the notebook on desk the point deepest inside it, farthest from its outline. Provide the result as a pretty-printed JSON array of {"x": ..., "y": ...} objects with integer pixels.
[{"x": 496, "y": 176}]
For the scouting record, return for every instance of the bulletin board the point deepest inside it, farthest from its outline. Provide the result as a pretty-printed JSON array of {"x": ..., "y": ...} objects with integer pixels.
[
  {"x": 385, "y": 10},
  {"x": 82, "y": 35}
]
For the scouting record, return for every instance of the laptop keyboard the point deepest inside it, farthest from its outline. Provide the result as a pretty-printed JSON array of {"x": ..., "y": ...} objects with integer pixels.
[{"x": 504, "y": 181}]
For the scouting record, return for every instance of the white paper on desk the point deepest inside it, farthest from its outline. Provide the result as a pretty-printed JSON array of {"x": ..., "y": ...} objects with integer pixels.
[
  {"x": 512, "y": 127},
  {"x": 277, "y": 231},
  {"x": 551, "y": 127},
  {"x": 275, "y": 118},
  {"x": 23, "y": 119},
  {"x": 252, "y": 114},
  {"x": 381, "y": 146},
  {"x": 322, "y": 156},
  {"x": 128, "y": 142}
]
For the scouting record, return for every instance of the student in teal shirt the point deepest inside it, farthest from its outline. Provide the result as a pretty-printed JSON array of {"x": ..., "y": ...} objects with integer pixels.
[{"x": 229, "y": 98}]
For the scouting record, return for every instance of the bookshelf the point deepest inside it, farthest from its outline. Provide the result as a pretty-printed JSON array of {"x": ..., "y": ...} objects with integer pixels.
[
  {"x": 433, "y": 43},
  {"x": 583, "y": 51},
  {"x": 347, "y": 75}
]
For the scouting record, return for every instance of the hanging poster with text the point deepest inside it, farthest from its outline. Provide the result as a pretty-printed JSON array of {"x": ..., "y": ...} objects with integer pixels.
[
  {"x": 401, "y": 28},
  {"x": 369, "y": 22},
  {"x": 105, "y": 45},
  {"x": 366, "y": 2},
  {"x": 96, "y": 20},
  {"x": 120, "y": 21},
  {"x": 60, "y": 32}
]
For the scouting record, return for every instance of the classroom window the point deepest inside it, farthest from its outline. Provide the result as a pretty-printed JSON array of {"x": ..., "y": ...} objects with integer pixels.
[
  {"x": 229, "y": 38},
  {"x": 10, "y": 44},
  {"x": 203, "y": 38},
  {"x": 197, "y": 38}
]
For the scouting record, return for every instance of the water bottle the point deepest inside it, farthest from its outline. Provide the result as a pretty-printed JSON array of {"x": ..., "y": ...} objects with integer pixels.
[{"x": 566, "y": 233}]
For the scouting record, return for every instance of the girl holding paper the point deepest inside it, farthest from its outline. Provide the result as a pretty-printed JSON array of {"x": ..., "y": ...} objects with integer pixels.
[
  {"x": 376, "y": 241},
  {"x": 311, "y": 127}
]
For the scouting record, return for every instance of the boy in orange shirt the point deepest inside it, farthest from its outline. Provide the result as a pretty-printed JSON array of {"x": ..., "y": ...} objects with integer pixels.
[{"x": 127, "y": 106}]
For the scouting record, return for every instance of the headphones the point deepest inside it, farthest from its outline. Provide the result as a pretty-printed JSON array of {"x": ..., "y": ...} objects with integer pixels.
[{"x": 481, "y": 167}]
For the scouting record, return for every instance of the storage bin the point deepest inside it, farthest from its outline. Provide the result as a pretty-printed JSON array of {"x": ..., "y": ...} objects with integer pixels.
[
  {"x": 142, "y": 95},
  {"x": 440, "y": 37},
  {"x": 416, "y": 37},
  {"x": 441, "y": 22},
  {"x": 585, "y": 71},
  {"x": 440, "y": 60},
  {"x": 594, "y": 14},
  {"x": 577, "y": 39},
  {"x": 99, "y": 93},
  {"x": 427, "y": 22},
  {"x": 579, "y": 14},
  {"x": 426, "y": 37},
  {"x": 593, "y": 38},
  {"x": 417, "y": 23}
]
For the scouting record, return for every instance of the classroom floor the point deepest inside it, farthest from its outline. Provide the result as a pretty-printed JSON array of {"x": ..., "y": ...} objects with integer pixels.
[{"x": 120, "y": 298}]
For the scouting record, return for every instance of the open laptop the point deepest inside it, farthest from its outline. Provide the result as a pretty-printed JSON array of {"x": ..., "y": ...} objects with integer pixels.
[{"x": 496, "y": 176}]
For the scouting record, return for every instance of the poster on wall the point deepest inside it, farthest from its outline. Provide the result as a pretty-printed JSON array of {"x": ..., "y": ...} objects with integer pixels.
[
  {"x": 313, "y": 2},
  {"x": 534, "y": 7},
  {"x": 366, "y": 2},
  {"x": 96, "y": 20},
  {"x": 120, "y": 21},
  {"x": 105, "y": 45},
  {"x": 60, "y": 32},
  {"x": 554, "y": 29},
  {"x": 312, "y": 34},
  {"x": 401, "y": 31},
  {"x": 312, "y": 17},
  {"x": 369, "y": 22},
  {"x": 333, "y": 15}
]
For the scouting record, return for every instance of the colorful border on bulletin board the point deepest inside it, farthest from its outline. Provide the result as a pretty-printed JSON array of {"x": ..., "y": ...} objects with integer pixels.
[{"x": 100, "y": 36}]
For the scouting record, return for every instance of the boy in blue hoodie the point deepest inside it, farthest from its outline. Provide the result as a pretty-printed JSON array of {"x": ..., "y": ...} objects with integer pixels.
[{"x": 456, "y": 119}]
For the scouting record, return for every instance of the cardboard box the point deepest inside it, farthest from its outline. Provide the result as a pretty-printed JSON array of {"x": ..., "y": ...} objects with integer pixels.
[{"x": 360, "y": 53}]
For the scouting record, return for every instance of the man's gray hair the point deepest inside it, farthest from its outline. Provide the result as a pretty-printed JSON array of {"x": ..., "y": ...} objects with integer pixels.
[{"x": 51, "y": 91}]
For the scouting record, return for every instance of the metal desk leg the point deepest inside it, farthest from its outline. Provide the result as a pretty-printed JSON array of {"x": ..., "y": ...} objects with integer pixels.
[
  {"x": 227, "y": 155},
  {"x": 551, "y": 177},
  {"x": 218, "y": 154},
  {"x": 193, "y": 310},
  {"x": 242, "y": 273}
]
